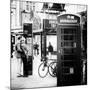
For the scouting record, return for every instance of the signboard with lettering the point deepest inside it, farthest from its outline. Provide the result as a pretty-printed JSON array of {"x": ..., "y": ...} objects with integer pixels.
[
  {"x": 35, "y": 20},
  {"x": 49, "y": 24},
  {"x": 68, "y": 19},
  {"x": 27, "y": 28}
]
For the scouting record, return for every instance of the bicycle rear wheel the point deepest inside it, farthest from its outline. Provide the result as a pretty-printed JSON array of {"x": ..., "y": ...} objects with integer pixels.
[
  {"x": 42, "y": 70},
  {"x": 52, "y": 69}
]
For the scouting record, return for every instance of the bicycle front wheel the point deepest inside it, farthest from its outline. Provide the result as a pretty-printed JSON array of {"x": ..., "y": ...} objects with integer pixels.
[
  {"x": 42, "y": 70},
  {"x": 52, "y": 69}
]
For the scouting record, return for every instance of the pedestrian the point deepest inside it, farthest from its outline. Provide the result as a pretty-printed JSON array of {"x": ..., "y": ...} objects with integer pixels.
[
  {"x": 50, "y": 50},
  {"x": 18, "y": 57},
  {"x": 36, "y": 49},
  {"x": 24, "y": 58}
]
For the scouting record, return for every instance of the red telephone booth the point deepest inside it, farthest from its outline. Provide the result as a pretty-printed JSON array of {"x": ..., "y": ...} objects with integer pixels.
[{"x": 69, "y": 50}]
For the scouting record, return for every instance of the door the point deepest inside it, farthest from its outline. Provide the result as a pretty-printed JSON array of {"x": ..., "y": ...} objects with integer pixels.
[{"x": 68, "y": 55}]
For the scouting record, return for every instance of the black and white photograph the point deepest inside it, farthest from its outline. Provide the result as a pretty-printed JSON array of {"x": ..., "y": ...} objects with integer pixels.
[{"x": 48, "y": 44}]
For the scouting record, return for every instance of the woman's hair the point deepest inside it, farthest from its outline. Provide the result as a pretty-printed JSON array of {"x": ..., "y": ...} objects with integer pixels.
[{"x": 19, "y": 37}]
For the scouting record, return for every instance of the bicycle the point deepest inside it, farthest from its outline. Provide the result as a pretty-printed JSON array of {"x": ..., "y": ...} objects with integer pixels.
[{"x": 45, "y": 68}]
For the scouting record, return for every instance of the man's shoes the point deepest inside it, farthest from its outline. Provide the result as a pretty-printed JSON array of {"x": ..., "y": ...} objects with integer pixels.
[
  {"x": 25, "y": 75},
  {"x": 20, "y": 76}
]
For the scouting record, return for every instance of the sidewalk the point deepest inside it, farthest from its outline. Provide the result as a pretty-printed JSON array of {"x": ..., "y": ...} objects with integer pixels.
[{"x": 34, "y": 80}]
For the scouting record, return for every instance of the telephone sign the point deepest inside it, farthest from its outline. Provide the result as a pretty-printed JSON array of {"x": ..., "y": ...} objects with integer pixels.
[{"x": 68, "y": 19}]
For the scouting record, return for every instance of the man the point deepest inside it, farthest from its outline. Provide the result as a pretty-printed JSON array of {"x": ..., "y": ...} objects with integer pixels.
[
  {"x": 50, "y": 50},
  {"x": 36, "y": 49},
  {"x": 24, "y": 57}
]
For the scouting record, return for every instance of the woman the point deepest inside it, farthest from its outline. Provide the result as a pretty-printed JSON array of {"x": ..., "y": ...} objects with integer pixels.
[{"x": 18, "y": 52}]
